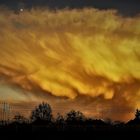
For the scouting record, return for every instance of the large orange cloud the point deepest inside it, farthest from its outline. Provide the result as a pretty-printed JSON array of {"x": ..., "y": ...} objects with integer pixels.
[{"x": 72, "y": 53}]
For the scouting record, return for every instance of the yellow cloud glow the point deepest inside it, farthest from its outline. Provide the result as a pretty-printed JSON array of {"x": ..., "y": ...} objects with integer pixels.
[{"x": 73, "y": 52}]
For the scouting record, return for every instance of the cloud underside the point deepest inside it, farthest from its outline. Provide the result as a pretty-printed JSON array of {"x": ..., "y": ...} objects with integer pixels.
[{"x": 84, "y": 59}]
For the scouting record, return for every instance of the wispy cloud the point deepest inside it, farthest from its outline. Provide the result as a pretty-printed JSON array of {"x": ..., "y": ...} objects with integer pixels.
[{"x": 73, "y": 53}]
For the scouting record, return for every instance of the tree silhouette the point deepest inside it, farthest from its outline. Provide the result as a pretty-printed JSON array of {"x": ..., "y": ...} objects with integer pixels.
[
  {"x": 136, "y": 120},
  {"x": 42, "y": 112},
  {"x": 137, "y": 114},
  {"x": 75, "y": 117},
  {"x": 60, "y": 119},
  {"x": 42, "y": 121}
]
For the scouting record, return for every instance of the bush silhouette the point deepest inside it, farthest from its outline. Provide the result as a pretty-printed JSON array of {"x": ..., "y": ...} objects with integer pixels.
[{"x": 20, "y": 119}]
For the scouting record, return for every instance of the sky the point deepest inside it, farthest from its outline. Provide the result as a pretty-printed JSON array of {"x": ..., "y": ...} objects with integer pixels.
[
  {"x": 85, "y": 57},
  {"x": 125, "y": 7}
]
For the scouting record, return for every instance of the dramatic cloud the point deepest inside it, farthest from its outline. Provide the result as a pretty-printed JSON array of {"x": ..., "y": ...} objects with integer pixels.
[{"x": 83, "y": 57}]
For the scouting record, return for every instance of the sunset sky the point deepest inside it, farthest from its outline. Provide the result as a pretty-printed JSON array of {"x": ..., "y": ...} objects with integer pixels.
[{"x": 73, "y": 54}]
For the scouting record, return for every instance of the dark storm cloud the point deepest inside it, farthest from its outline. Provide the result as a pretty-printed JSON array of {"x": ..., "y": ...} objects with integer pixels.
[{"x": 125, "y": 7}]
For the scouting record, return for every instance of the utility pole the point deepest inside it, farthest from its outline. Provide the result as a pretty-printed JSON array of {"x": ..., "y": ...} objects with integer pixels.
[{"x": 5, "y": 111}]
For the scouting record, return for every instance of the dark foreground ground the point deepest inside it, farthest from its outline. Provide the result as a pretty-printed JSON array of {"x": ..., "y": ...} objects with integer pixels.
[{"x": 69, "y": 132}]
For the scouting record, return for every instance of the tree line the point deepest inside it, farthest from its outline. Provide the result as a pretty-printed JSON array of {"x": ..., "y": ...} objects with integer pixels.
[{"x": 42, "y": 119}]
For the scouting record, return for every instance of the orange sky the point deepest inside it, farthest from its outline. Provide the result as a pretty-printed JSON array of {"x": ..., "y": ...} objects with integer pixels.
[{"x": 77, "y": 57}]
